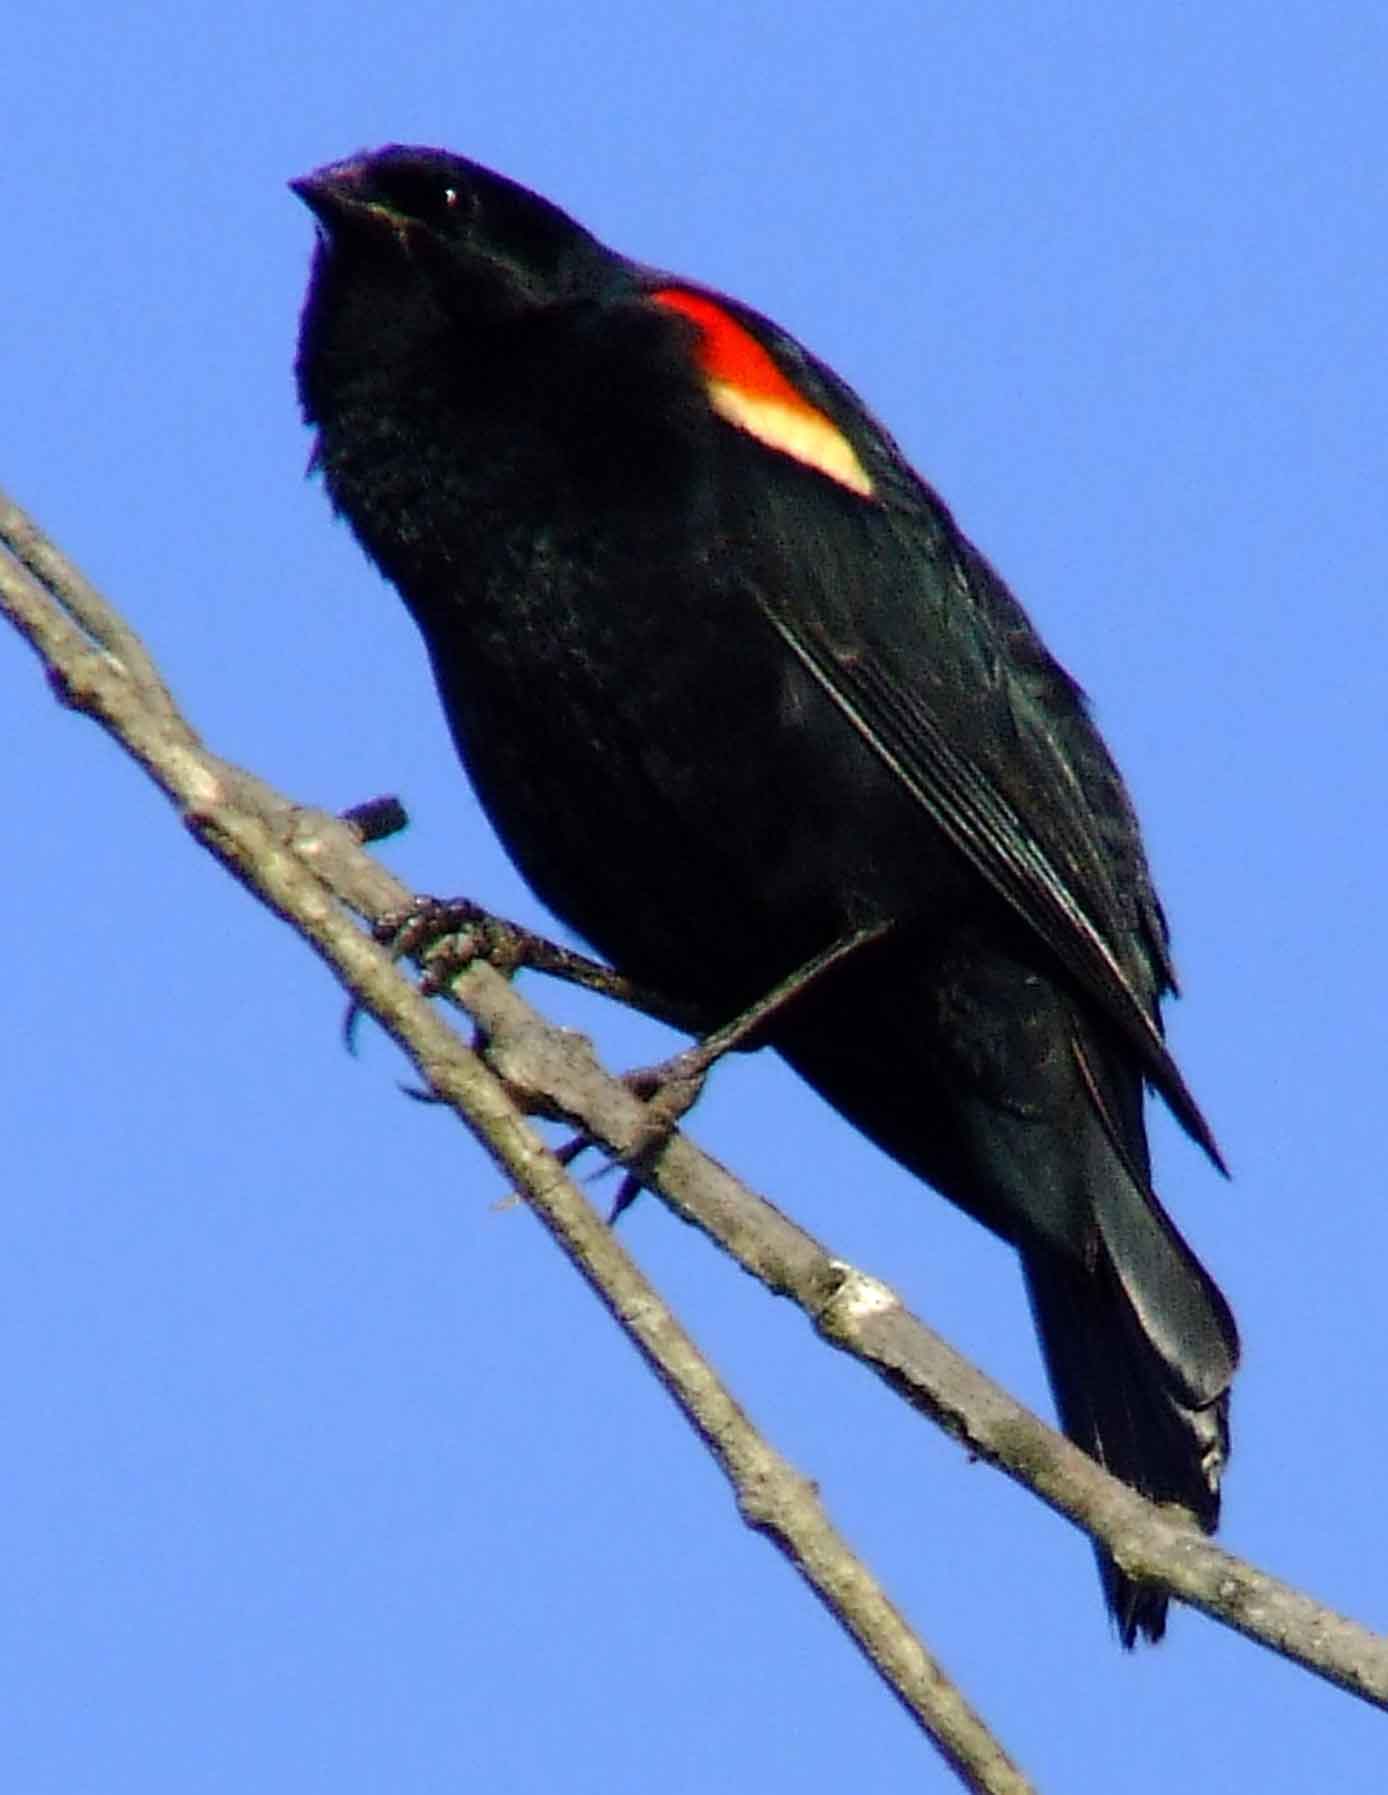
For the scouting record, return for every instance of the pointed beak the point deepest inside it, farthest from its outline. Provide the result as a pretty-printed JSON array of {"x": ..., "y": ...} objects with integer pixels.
[{"x": 333, "y": 195}]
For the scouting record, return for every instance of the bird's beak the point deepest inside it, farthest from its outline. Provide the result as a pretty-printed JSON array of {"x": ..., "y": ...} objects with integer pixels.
[{"x": 333, "y": 195}]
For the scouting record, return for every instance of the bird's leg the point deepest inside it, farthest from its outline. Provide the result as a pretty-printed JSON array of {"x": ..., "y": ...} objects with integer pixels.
[
  {"x": 445, "y": 935},
  {"x": 692, "y": 1065},
  {"x": 672, "y": 1087}
]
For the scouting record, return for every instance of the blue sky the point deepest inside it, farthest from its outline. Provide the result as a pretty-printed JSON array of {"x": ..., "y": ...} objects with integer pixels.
[{"x": 323, "y": 1473}]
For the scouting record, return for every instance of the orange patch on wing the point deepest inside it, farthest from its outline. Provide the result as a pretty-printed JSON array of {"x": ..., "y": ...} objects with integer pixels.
[{"x": 747, "y": 388}]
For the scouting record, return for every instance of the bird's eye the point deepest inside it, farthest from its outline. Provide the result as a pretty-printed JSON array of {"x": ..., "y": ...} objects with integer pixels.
[
  {"x": 450, "y": 206},
  {"x": 419, "y": 193}
]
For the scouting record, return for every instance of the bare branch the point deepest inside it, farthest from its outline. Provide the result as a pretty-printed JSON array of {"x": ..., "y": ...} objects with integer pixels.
[
  {"x": 282, "y": 854},
  {"x": 864, "y": 1317}
]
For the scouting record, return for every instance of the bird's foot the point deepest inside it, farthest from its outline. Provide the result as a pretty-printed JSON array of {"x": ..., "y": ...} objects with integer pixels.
[{"x": 671, "y": 1088}]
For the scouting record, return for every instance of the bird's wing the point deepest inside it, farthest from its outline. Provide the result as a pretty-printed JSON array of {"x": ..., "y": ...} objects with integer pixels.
[
  {"x": 1046, "y": 860},
  {"x": 927, "y": 656}
]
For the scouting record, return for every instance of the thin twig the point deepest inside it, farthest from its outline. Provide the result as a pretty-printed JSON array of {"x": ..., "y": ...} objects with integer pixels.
[{"x": 95, "y": 615}]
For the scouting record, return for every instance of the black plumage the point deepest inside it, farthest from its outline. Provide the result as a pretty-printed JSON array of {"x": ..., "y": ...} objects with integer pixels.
[{"x": 730, "y": 684}]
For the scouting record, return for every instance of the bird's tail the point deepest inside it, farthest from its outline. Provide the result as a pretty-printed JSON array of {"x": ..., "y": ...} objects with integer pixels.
[{"x": 1140, "y": 1348}]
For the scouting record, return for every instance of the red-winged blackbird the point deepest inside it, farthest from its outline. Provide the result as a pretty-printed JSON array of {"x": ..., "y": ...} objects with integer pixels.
[{"x": 731, "y": 685}]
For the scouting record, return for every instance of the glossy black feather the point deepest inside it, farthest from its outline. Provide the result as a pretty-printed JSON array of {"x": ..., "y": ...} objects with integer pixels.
[{"x": 723, "y": 709}]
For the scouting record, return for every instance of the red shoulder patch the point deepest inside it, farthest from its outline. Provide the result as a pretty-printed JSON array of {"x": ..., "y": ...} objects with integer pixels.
[{"x": 746, "y": 387}]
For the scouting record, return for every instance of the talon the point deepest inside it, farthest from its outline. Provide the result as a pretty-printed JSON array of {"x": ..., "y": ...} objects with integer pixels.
[
  {"x": 418, "y": 928},
  {"x": 426, "y": 924},
  {"x": 626, "y": 1196},
  {"x": 669, "y": 1091}
]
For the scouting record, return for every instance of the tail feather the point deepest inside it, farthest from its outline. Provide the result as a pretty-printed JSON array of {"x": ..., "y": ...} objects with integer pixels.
[
  {"x": 1176, "y": 1306},
  {"x": 1123, "y": 1401},
  {"x": 1029, "y": 1115},
  {"x": 1181, "y": 1309}
]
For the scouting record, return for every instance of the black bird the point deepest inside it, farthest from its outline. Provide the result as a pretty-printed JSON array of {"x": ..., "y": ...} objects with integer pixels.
[{"x": 731, "y": 685}]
